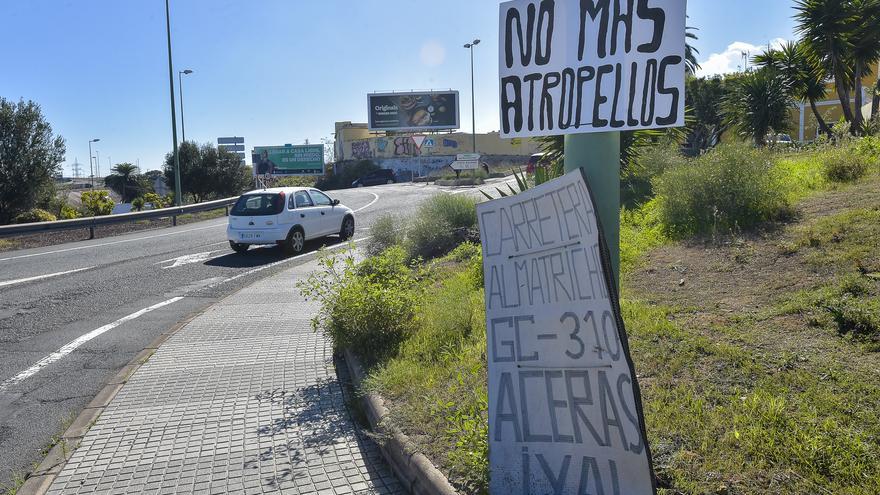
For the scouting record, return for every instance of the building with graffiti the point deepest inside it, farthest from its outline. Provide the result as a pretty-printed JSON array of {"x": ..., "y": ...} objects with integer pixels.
[{"x": 426, "y": 154}]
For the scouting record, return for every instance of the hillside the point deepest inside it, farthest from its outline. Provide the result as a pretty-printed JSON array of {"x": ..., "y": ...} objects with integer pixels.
[{"x": 758, "y": 355}]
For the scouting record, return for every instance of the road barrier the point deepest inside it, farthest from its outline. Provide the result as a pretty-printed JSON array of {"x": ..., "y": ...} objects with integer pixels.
[{"x": 92, "y": 222}]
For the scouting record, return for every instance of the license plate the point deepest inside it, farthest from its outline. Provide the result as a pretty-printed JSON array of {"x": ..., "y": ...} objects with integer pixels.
[{"x": 250, "y": 235}]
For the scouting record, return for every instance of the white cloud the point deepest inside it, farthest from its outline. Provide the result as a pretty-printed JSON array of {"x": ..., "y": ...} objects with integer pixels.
[
  {"x": 432, "y": 53},
  {"x": 731, "y": 60}
]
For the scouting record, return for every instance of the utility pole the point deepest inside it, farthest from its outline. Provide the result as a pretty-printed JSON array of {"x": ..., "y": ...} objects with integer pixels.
[
  {"x": 470, "y": 46},
  {"x": 91, "y": 168},
  {"x": 180, "y": 74},
  {"x": 177, "y": 194}
]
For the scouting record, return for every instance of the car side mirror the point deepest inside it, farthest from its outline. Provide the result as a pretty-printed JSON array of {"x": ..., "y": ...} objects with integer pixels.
[{"x": 334, "y": 202}]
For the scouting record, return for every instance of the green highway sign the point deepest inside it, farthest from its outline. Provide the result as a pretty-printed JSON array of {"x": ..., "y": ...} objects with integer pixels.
[{"x": 279, "y": 161}]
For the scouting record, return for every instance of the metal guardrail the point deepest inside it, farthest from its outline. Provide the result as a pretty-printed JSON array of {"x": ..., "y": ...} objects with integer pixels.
[{"x": 92, "y": 222}]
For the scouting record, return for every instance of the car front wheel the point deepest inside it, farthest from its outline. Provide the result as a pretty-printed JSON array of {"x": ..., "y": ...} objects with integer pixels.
[{"x": 347, "y": 230}]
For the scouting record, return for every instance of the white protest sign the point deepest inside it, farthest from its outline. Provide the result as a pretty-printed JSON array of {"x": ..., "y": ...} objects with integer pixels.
[
  {"x": 565, "y": 411},
  {"x": 576, "y": 66}
]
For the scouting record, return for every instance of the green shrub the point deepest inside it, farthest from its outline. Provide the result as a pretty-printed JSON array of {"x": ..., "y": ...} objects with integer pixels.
[
  {"x": 369, "y": 308},
  {"x": 636, "y": 180},
  {"x": 68, "y": 212},
  {"x": 386, "y": 231},
  {"x": 96, "y": 203},
  {"x": 156, "y": 200},
  {"x": 731, "y": 187},
  {"x": 35, "y": 215},
  {"x": 844, "y": 164},
  {"x": 855, "y": 316},
  {"x": 440, "y": 224},
  {"x": 295, "y": 181}
]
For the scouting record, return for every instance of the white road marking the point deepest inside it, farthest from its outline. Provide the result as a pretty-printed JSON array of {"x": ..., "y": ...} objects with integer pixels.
[
  {"x": 276, "y": 263},
  {"x": 40, "y": 277},
  {"x": 375, "y": 198},
  {"x": 72, "y": 345},
  {"x": 190, "y": 258},
  {"x": 113, "y": 242}
]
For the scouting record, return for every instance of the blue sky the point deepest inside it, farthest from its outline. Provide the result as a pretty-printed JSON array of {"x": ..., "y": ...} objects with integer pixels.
[{"x": 276, "y": 71}]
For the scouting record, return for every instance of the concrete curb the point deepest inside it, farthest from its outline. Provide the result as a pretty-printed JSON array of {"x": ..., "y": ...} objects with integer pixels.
[
  {"x": 39, "y": 481},
  {"x": 413, "y": 469}
]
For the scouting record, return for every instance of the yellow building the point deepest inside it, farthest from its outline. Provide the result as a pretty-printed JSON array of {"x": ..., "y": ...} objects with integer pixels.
[
  {"x": 422, "y": 154},
  {"x": 804, "y": 124}
]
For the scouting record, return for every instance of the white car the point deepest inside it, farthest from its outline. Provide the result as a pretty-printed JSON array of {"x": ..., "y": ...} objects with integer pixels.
[{"x": 287, "y": 216}]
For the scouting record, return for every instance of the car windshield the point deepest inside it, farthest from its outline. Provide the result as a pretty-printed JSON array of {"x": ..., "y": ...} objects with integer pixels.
[{"x": 256, "y": 204}]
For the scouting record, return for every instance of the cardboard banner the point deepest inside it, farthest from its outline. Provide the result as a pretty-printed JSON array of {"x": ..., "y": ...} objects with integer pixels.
[
  {"x": 565, "y": 413},
  {"x": 576, "y": 66}
]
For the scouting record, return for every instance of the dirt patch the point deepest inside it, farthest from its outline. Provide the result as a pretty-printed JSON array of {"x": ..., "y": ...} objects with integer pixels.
[{"x": 737, "y": 282}]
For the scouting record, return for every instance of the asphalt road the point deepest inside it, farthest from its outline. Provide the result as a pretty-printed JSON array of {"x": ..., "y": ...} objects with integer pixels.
[{"x": 72, "y": 315}]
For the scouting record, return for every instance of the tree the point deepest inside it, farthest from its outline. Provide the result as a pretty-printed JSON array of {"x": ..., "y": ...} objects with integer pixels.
[
  {"x": 691, "y": 66},
  {"x": 758, "y": 104},
  {"x": 865, "y": 49},
  {"x": 704, "y": 96},
  {"x": 825, "y": 27},
  {"x": 206, "y": 172},
  {"x": 30, "y": 157},
  {"x": 127, "y": 182},
  {"x": 806, "y": 79}
]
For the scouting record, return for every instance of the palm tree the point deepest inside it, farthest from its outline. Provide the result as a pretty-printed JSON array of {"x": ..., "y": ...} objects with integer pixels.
[
  {"x": 691, "y": 66},
  {"x": 122, "y": 175},
  {"x": 826, "y": 28},
  {"x": 806, "y": 80},
  {"x": 758, "y": 104},
  {"x": 865, "y": 49}
]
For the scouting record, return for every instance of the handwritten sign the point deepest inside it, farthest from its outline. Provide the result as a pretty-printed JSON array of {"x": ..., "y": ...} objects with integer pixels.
[
  {"x": 576, "y": 66},
  {"x": 565, "y": 411}
]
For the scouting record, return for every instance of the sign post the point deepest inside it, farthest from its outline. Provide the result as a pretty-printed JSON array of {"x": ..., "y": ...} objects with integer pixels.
[{"x": 599, "y": 156}]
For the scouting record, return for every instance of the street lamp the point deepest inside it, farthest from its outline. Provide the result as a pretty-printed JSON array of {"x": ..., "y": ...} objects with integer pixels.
[
  {"x": 177, "y": 195},
  {"x": 91, "y": 169},
  {"x": 471, "y": 46},
  {"x": 180, "y": 85}
]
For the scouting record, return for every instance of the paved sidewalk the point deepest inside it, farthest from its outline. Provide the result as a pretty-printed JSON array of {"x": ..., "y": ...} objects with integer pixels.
[{"x": 243, "y": 399}]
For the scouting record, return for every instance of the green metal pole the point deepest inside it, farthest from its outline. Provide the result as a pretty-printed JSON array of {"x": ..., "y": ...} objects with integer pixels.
[
  {"x": 599, "y": 155},
  {"x": 178, "y": 197}
]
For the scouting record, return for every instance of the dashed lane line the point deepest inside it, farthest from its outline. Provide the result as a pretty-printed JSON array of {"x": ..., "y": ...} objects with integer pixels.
[
  {"x": 40, "y": 277},
  {"x": 72, "y": 345}
]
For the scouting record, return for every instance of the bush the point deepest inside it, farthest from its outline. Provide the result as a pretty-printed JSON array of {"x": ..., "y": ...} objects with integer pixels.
[
  {"x": 96, "y": 203},
  {"x": 156, "y": 200},
  {"x": 440, "y": 224},
  {"x": 730, "y": 187},
  {"x": 35, "y": 215},
  {"x": 68, "y": 212},
  {"x": 369, "y": 308},
  {"x": 636, "y": 180},
  {"x": 138, "y": 203},
  {"x": 844, "y": 164},
  {"x": 385, "y": 232},
  {"x": 295, "y": 181}
]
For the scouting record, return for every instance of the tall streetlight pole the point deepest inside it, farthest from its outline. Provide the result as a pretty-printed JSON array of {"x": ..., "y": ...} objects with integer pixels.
[
  {"x": 177, "y": 194},
  {"x": 180, "y": 74},
  {"x": 470, "y": 46},
  {"x": 91, "y": 167}
]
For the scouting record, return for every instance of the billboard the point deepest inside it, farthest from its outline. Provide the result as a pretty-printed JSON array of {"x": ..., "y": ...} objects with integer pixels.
[
  {"x": 284, "y": 160},
  {"x": 417, "y": 111},
  {"x": 571, "y": 66}
]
